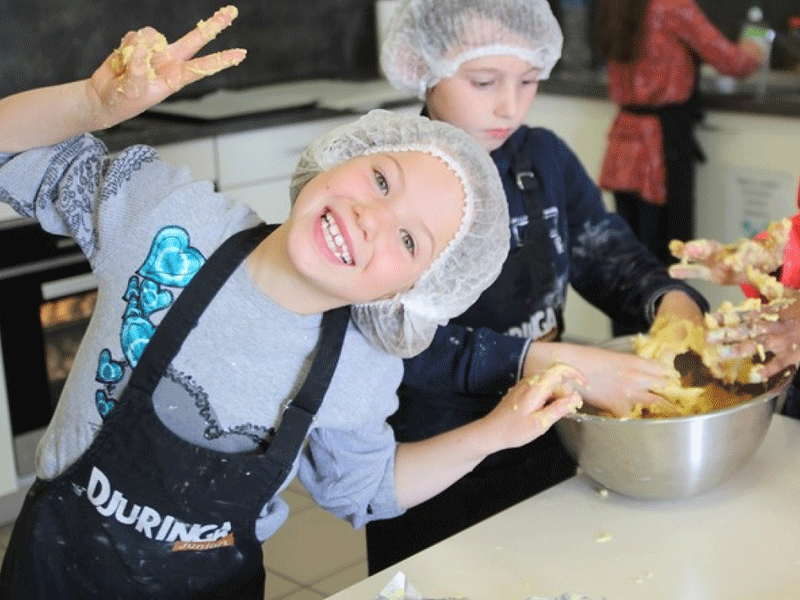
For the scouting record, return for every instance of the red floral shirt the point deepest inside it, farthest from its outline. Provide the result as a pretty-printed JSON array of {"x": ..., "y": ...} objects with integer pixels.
[{"x": 665, "y": 74}]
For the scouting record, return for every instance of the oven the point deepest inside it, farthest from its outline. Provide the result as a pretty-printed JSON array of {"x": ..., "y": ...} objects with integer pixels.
[{"x": 47, "y": 294}]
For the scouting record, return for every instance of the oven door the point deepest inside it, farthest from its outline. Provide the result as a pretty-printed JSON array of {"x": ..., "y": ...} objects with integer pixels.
[{"x": 47, "y": 295}]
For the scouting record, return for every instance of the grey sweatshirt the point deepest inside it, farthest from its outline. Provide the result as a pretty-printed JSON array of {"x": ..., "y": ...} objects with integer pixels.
[{"x": 146, "y": 227}]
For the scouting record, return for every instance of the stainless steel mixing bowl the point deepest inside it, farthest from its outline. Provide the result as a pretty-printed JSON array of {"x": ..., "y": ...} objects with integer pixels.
[{"x": 668, "y": 458}]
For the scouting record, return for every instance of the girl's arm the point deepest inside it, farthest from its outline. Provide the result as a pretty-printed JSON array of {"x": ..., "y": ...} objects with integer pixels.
[
  {"x": 529, "y": 409},
  {"x": 142, "y": 72},
  {"x": 693, "y": 27}
]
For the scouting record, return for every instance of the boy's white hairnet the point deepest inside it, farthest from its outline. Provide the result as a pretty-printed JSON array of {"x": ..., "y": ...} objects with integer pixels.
[
  {"x": 404, "y": 325},
  {"x": 427, "y": 40}
]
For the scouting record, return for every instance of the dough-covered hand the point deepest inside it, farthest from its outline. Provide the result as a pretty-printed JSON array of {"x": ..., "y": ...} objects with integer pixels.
[
  {"x": 731, "y": 264},
  {"x": 146, "y": 69},
  {"x": 618, "y": 381},
  {"x": 531, "y": 407},
  {"x": 759, "y": 331}
]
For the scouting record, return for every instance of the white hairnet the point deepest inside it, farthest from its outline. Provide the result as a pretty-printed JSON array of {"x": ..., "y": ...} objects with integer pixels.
[
  {"x": 405, "y": 324},
  {"x": 427, "y": 40}
]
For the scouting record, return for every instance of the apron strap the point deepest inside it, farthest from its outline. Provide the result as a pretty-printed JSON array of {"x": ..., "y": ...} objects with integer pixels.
[
  {"x": 184, "y": 314},
  {"x": 300, "y": 412},
  {"x": 537, "y": 232}
]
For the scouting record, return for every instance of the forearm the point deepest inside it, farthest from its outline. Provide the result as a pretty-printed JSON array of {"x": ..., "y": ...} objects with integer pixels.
[
  {"x": 45, "y": 116},
  {"x": 542, "y": 355},
  {"x": 425, "y": 468},
  {"x": 680, "y": 304}
]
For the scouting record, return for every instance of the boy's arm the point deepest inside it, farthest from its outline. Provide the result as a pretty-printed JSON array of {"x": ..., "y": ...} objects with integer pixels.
[{"x": 142, "y": 72}]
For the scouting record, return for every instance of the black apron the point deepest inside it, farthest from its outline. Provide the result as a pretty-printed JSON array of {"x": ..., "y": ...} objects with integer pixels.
[
  {"x": 681, "y": 151},
  {"x": 146, "y": 514}
]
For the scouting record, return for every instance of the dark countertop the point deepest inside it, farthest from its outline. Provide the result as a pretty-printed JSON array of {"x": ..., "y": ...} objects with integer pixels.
[{"x": 154, "y": 129}]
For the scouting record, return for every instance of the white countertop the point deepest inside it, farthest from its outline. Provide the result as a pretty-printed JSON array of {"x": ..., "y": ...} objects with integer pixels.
[{"x": 739, "y": 541}]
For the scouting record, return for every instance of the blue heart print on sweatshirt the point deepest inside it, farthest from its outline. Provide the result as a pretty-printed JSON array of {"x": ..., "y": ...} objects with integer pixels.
[
  {"x": 109, "y": 371},
  {"x": 104, "y": 405},
  {"x": 170, "y": 262},
  {"x": 136, "y": 332},
  {"x": 152, "y": 298}
]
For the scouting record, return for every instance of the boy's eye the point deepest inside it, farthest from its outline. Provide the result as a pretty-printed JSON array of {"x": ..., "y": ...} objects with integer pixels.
[
  {"x": 408, "y": 242},
  {"x": 480, "y": 83},
  {"x": 383, "y": 184}
]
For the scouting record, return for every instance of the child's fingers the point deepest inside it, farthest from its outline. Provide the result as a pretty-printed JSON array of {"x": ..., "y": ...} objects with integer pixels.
[
  {"x": 133, "y": 64},
  {"x": 136, "y": 53},
  {"x": 558, "y": 408},
  {"x": 695, "y": 249},
  {"x": 213, "y": 63},
  {"x": 204, "y": 32},
  {"x": 690, "y": 271},
  {"x": 557, "y": 382},
  {"x": 736, "y": 333}
]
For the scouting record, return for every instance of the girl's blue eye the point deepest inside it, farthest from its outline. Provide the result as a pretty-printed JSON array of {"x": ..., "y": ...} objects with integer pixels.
[
  {"x": 408, "y": 242},
  {"x": 380, "y": 179}
]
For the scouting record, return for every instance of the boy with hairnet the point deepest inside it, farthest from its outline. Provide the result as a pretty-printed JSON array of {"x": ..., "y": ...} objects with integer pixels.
[
  {"x": 197, "y": 393},
  {"x": 477, "y": 64}
]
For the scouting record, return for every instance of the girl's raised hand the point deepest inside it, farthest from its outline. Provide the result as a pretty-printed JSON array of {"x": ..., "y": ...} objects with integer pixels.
[{"x": 145, "y": 69}]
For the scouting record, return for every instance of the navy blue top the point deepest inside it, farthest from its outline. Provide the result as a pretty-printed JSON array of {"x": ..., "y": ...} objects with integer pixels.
[{"x": 479, "y": 352}]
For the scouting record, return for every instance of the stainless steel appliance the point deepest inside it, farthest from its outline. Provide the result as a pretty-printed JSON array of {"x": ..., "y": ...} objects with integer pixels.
[{"x": 47, "y": 294}]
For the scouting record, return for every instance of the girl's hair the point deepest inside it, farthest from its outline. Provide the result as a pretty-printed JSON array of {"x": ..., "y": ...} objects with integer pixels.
[{"x": 620, "y": 28}]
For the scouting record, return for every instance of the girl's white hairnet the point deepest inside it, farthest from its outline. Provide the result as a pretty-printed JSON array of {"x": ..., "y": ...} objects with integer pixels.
[
  {"x": 405, "y": 324},
  {"x": 427, "y": 40}
]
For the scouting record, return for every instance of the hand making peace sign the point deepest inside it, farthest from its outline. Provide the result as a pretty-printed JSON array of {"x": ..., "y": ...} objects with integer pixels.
[{"x": 146, "y": 69}]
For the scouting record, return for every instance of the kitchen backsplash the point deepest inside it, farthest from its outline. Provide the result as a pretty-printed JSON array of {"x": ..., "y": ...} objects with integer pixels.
[
  {"x": 45, "y": 42},
  {"x": 52, "y": 41}
]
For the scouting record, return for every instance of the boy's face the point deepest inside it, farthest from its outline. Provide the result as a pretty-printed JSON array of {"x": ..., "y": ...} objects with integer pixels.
[
  {"x": 488, "y": 97},
  {"x": 370, "y": 227}
]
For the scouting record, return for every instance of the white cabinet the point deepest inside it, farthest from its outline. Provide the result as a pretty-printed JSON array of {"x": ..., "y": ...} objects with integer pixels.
[
  {"x": 198, "y": 155},
  {"x": 256, "y": 166}
]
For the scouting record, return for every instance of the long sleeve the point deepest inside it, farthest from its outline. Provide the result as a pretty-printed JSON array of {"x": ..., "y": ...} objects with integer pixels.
[
  {"x": 464, "y": 360},
  {"x": 609, "y": 266},
  {"x": 691, "y": 25}
]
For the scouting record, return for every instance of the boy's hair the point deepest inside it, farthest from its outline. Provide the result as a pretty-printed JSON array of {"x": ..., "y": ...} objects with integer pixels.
[
  {"x": 427, "y": 40},
  {"x": 404, "y": 325}
]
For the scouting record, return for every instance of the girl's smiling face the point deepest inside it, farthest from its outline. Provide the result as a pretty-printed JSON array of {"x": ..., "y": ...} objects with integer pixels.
[
  {"x": 370, "y": 227},
  {"x": 488, "y": 97}
]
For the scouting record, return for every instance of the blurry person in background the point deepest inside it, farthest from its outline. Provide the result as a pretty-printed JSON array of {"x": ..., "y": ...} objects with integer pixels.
[{"x": 653, "y": 49}]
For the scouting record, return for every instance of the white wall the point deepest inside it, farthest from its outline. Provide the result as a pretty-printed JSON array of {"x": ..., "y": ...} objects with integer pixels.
[{"x": 735, "y": 143}]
